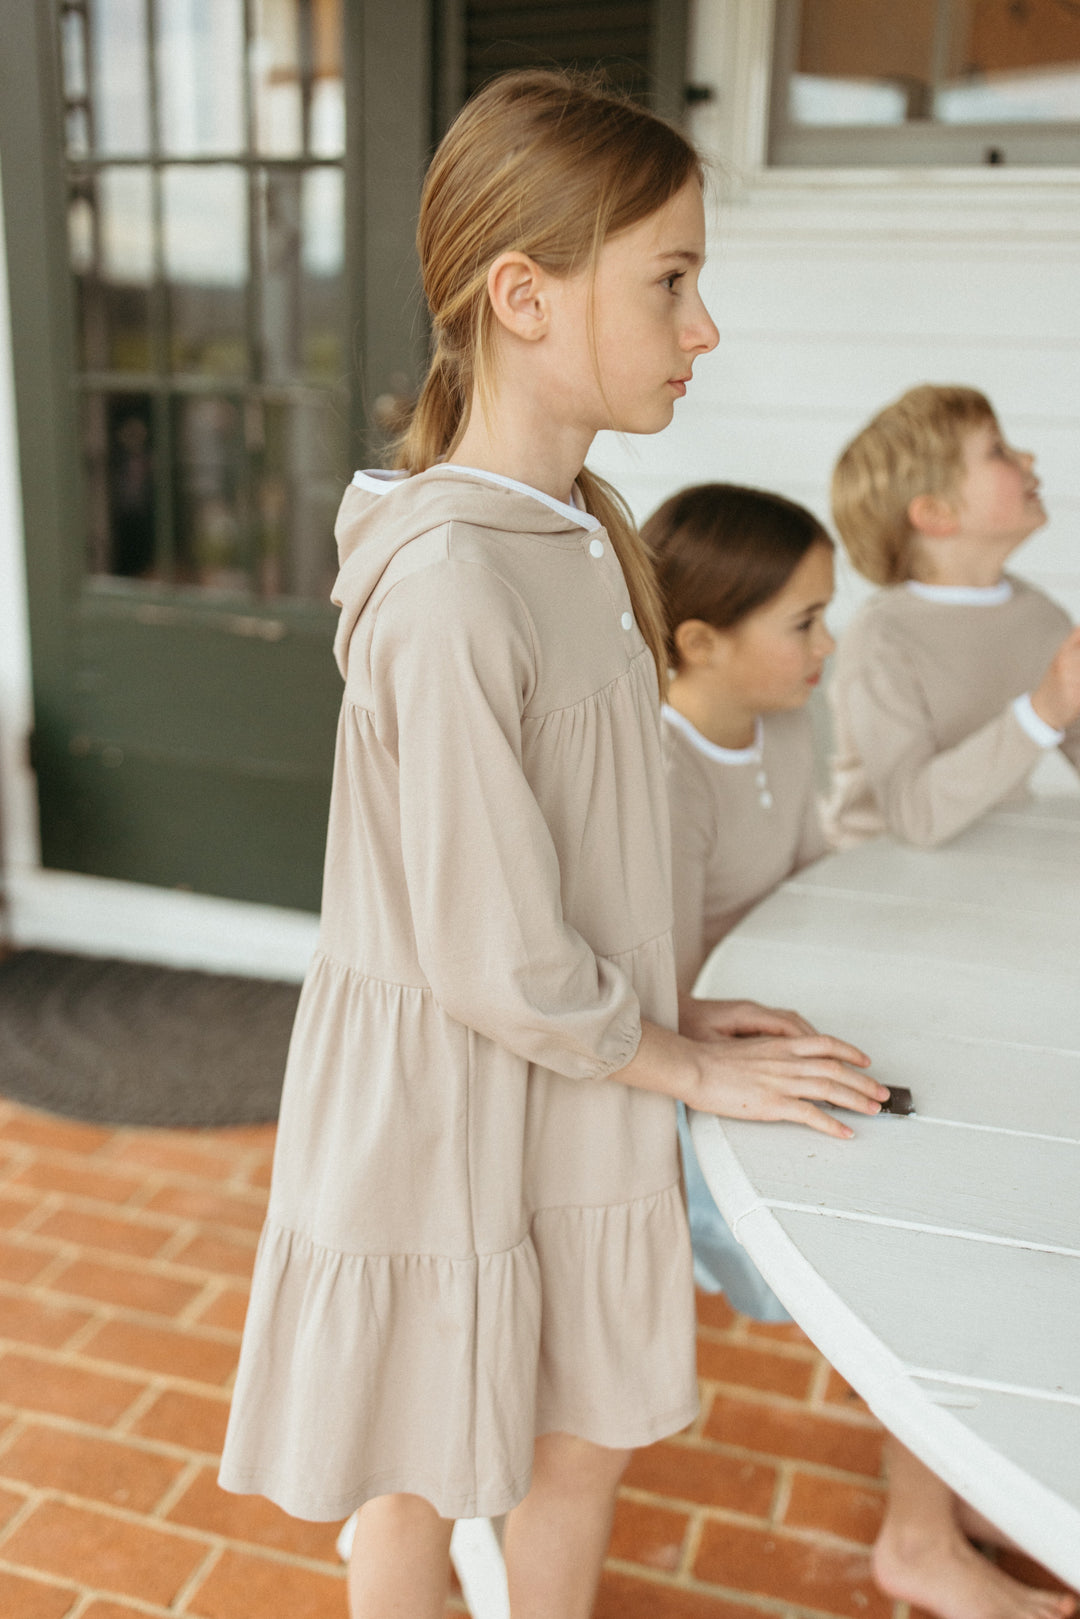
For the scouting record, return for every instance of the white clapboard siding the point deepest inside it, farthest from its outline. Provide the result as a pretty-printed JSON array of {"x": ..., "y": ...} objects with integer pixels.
[
  {"x": 935, "y": 1258},
  {"x": 835, "y": 293}
]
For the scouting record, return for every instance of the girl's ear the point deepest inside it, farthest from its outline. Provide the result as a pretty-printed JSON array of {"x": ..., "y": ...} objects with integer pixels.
[
  {"x": 933, "y": 516},
  {"x": 518, "y": 293},
  {"x": 696, "y": 642}
]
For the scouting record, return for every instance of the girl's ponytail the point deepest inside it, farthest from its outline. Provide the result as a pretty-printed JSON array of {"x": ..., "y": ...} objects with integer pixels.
[
  {"x": 437, "y": 416},
  {"x": 635, "y": 558}
]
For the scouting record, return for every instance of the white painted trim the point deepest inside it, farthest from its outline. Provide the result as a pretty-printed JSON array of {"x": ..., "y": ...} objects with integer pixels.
[
  {"x": 94, "y": 916},
  {"x": 19, "y": 845},
  {"x": 732, "y": 51}
]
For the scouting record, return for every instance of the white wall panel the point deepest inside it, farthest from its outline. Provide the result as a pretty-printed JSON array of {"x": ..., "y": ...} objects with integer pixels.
[{"x": 835, "y": 293}]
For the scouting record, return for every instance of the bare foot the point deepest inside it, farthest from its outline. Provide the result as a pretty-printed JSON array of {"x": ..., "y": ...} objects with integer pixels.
[{"x": 948, "y": 1577}]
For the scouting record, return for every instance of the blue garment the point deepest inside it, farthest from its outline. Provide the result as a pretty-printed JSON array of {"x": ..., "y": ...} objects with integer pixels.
[{"x": 721, "y": 1264}]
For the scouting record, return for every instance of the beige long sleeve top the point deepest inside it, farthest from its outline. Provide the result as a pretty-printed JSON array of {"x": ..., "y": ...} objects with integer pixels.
[
  {"x": 741, "y": 821},
  {"x": 474, "y": 1235},
  {"x": 927, "y": 737}
]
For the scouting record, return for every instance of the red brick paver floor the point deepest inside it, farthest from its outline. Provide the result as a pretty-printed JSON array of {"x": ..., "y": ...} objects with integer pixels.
[{"x": 124, "y": 1257}]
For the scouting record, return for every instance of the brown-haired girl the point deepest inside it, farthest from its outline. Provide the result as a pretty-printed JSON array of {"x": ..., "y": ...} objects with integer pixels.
[
  {"x": 473, "y": 1291},
  {"x": 746, "y": 577}
]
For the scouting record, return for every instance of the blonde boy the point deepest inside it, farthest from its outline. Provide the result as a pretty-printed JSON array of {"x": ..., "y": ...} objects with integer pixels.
[{"x": 952, "y": 681}]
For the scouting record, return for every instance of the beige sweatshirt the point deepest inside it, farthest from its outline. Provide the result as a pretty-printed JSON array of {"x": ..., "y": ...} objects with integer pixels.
[
  {"x": 474, "y": 1234},
  {"x": 927, "y": 730},
  {"x": 741, "y": 821}
]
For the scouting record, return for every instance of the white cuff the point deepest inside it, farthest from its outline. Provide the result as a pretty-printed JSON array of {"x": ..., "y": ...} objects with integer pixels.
[{"x": 1047, "y": 736}]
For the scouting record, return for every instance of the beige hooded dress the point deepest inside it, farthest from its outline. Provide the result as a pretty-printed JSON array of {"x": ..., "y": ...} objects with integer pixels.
[{"x": 474, "y": 1236}]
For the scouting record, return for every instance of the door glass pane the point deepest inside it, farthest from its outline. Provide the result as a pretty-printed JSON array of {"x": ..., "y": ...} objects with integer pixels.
[
  {"x": 226, "y": 357},
  {"x": 118, "y": 445},
  {"x": 111, "y": 235},
  {"x": 206, "y": 264},
  {"x": 276, "y": 79},
  {"x": 322, "y": 261},
  {"x": 121, "y": 86},
  {"x": 200, "y": 56},
  {"x": 301, "y": 252},
  {"x": 953, "y": 61},
  {"x": 210, "y": 493},
  {"x": 76, "y": 83},
  {"x": 1016, "y": 63}
]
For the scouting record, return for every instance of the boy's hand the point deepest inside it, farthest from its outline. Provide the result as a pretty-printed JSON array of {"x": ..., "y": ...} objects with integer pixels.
[
  {"x": 1056, "y": 699},
  {"x": 718, "y": 1020}
]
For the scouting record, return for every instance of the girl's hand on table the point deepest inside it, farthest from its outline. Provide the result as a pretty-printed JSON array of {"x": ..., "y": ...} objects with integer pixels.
[
  {"x": 765, "y": 1077},
  {"x": 757, "y": 1076},
  {"x": 714, "y": 1020}
]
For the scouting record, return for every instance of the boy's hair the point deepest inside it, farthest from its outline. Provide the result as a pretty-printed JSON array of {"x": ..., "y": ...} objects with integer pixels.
[
  {"x": 912, "y": 447},
  {"x": 722, "y": 551},
  {"x": 549, "y": 164}
]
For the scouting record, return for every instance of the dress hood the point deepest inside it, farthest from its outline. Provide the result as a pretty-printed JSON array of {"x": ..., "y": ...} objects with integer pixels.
[{"x": 382, "y": 511}]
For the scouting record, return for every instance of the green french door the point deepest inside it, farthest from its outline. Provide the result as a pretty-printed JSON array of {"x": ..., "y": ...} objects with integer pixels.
[{"x": 209, "y": 210}]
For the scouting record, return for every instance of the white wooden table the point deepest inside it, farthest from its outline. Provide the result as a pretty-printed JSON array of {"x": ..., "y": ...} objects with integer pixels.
[{"x": 935, "y": 1259}]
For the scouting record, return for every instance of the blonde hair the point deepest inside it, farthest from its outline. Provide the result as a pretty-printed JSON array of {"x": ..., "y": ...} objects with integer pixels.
[
  {"x": 548, "y": 164},
  {"x": 914, "y": 446}
]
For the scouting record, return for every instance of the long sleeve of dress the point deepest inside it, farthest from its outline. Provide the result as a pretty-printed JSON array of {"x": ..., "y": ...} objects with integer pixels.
[
  {"x": 928, "y": 795},
  {"x": 452, "y": 668}
]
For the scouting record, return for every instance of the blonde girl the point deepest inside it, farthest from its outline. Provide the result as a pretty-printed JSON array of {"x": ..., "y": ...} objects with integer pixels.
[{"x": 473, "y": 1290}]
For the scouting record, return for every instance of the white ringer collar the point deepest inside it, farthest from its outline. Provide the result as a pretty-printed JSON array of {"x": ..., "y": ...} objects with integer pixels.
[
  {"x": 963, "y": 595},
  {"x": 713, "y": 750}
]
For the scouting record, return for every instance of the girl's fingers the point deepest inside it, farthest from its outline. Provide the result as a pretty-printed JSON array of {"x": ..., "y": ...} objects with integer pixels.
[
  {"x": 824, "y": 1123},
  {"x": 773, "y": 1020},
  {"x": 825, "y": 1045},
  {"x": 831, "y": 1082}
]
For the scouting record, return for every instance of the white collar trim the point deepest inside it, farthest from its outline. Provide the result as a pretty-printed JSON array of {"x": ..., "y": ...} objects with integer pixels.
[
  {"x": 377, "y": 482},
  {"x": 576, "y": 512},
  {"x": 713, "y": 750},
  {"x": 963, "y": 595}
]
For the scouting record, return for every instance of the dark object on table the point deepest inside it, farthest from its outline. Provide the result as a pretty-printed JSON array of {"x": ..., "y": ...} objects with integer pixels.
[{"x": 899, "y": 1101}]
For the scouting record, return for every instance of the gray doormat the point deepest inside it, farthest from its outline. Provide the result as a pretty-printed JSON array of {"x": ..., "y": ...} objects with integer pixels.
[{"x": 120, "y": 1042}]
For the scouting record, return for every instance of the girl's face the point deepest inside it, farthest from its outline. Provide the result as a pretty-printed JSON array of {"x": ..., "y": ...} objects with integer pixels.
[
  {"x": 773, "y": 658},
  {"x": 648, "y": 322}
]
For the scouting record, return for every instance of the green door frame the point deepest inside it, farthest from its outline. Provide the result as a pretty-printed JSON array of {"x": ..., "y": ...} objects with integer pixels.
[{"x": 388, "y": 124}]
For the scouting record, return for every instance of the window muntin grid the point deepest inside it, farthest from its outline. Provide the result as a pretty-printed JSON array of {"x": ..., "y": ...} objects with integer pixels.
[{"x": 205, "y": 163}]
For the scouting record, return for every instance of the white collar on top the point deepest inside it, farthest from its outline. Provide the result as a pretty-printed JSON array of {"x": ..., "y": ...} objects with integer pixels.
[
  {"x": 713, "y": 750},
  {"x": 576, "y": 512},
  {"x": 377, "y": 482},
  {"x": 963, "y": 595}
]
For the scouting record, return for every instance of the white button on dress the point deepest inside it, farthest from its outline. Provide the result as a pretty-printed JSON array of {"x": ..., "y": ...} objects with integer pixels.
[
  {"x": 596, "y": 548},
  {"x": 627, "y": 621}
]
